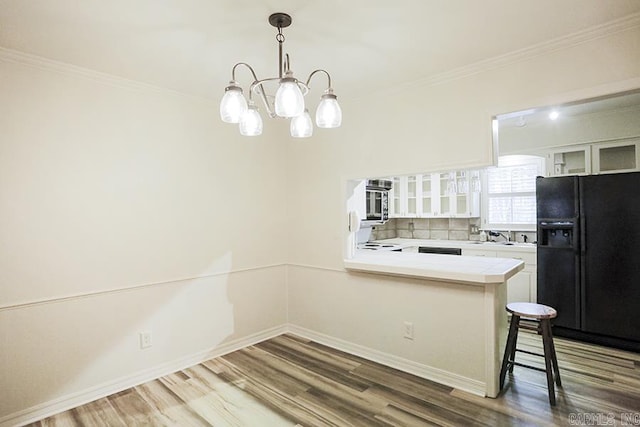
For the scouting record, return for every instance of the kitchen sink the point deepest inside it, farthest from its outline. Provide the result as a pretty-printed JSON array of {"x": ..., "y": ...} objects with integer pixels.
[{"x": 503, "y": 243}]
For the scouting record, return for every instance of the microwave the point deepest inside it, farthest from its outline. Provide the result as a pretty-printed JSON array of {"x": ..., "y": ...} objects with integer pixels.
[{"x": 377, "y": 201}]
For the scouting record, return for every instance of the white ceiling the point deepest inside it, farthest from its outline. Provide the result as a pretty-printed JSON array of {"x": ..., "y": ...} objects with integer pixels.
[{"x": 191, "y": 45}]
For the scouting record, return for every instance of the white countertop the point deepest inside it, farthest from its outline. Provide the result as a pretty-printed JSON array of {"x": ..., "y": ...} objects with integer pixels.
[{"x": 450, "y": 268}]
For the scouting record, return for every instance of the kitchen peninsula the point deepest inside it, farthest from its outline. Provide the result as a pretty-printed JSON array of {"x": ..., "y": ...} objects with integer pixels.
[{"x": 464, "y": 299}]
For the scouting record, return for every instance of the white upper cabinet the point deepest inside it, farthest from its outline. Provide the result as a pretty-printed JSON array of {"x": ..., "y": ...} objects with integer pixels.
[
  {"x": 597, "y": 158},
  {"x": 621, "y": 156},
  {"x": 428, "y": 195},
  {"x": 403, "y": 197},
  {"x": 569, "y": 161},
  {"x": 458, "y": 194},
  {"x": 453, "y": 194},
  {"x": 395, "y": 208},
  {"x": 465, "y": 201}
]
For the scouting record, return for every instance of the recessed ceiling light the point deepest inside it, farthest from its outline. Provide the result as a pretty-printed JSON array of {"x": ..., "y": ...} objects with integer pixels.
[{"x": 554, "y": 115}]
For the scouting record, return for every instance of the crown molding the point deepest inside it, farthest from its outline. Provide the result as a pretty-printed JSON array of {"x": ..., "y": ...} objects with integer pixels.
[
  {"x": 593, "y": 33},
  {"x": 45, "y": 64},
  {"x": 574, "y": 39}
]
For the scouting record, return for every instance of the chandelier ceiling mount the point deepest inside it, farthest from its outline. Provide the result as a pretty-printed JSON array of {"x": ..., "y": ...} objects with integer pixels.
[{"x": 280, "y": 20}]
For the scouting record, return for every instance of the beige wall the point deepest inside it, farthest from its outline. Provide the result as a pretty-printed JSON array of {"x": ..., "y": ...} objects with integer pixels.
[
  {"x": 357, "y": 311},
  {"x": 446, "y": 125},
  {"x": 126, "y": 209}
]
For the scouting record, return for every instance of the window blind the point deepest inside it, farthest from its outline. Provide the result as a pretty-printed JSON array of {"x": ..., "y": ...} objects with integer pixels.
[{"x": 511, "y": 193}]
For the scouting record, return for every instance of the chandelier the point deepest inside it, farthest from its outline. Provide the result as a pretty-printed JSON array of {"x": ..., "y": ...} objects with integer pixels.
[{"x": 288, "y": 101}]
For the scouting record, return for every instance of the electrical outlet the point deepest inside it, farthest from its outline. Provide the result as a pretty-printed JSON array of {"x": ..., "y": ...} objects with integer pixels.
[
  {"x": 408, "y": 330},
  {"x": 145, "y": 339}
]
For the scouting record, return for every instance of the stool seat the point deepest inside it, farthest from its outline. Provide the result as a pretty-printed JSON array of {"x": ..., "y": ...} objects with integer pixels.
[
  {"x": 531, "y": 310},
  {"x": 542, "y": 314}
]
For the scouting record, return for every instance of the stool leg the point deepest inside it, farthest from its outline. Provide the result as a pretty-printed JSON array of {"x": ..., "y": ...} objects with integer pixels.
[
  {"x": 547, "y": 344},
  {"x": 514, "y": 319},
  {"x": 508, "y": 349},
  {"x": 554, "y": 359}
]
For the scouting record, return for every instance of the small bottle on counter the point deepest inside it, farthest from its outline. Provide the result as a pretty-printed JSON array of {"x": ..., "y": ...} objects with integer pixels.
[{"x": 483, "y": 236}]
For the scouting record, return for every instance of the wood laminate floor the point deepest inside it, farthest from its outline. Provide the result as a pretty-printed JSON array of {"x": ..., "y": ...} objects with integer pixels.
[{"x": 289, "y": 381}]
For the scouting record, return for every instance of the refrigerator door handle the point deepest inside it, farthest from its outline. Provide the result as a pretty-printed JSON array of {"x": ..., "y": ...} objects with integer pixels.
[
  {"x": 577, "y": 236},
  {"x": 583, "y": 235}
]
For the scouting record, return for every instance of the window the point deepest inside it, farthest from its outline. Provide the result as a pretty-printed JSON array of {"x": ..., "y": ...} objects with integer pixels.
[{"x": 510, "y": 202}]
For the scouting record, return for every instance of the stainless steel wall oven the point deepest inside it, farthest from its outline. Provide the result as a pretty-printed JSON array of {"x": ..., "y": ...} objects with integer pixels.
[{"x": 377, "y": 201}]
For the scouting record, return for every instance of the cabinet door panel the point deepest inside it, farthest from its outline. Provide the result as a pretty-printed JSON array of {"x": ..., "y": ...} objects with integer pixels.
[
  {"x": 519, "y": 287},
  {"x": 569, "y": 161},
  {"x": 429, "y": 201},
  {"x": 616, "y": 157}
]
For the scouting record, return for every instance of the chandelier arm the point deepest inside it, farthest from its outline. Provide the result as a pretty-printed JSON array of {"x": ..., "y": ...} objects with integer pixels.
[
  {"x": 254, "y": 88},
  {"x": 319, "y": 71},
  {"x": 255, "y": 80},
  {"x": 287, "y": 63},
  {"x": 233, "y": 70}
]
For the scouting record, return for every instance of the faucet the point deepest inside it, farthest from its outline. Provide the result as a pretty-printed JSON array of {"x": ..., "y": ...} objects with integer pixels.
[{"x": 498, "y": 234}]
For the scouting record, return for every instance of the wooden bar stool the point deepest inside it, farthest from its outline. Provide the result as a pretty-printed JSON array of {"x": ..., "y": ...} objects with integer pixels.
[{"x": 543, "y": 315}]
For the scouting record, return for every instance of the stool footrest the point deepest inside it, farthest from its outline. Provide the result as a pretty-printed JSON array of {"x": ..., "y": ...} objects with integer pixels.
[
  {"x": 529, "y": 327},
  {"x": 529, "y": 352},
  {"x": 528, "y": 366}
]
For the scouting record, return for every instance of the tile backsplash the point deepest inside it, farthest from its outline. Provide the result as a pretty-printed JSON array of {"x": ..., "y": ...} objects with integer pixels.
[
  {"x": 428, "y": 228},
  {"x": 440, "y": 229}
]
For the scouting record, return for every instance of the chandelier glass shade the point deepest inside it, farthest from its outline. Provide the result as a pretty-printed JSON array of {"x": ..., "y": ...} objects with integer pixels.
[
  {"x": 288, "y": 101},
  {"x": 233, "y": 104},
  {"x": 328, "y": 114},
  {"x": 250, "y": 121},
  {"x": 301, "y": 126}
]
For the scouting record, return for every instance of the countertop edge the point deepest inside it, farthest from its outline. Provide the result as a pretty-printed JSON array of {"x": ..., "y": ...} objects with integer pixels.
[{"x": 389, "y": 266}]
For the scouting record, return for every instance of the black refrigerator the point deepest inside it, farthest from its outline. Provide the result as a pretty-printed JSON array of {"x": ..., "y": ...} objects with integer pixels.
[{"x": 589, "y": 256}]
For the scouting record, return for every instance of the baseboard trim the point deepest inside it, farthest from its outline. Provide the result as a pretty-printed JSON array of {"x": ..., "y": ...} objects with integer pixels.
[
  {"x": 73, "y": 400},
  {"x": 430, "y": 373}
]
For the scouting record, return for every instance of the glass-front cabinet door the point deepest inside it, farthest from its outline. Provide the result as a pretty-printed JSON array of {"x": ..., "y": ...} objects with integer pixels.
[
  {"x": 412, "y": 196},
  {"x": 459, "y": 194},
  {"x": 569, "y": 161},
  {"x": 429, "y": 196},
  {"x": 395, "y": 206},
  {"x": 453, "y": 194},
  {"x": 403, "y": 197},
  {"x": 447, "y": 189},
  {"x": 467, "y": 197},
  {"x": 614, "y": 157},
  {"x": 462, "y": 194}
]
